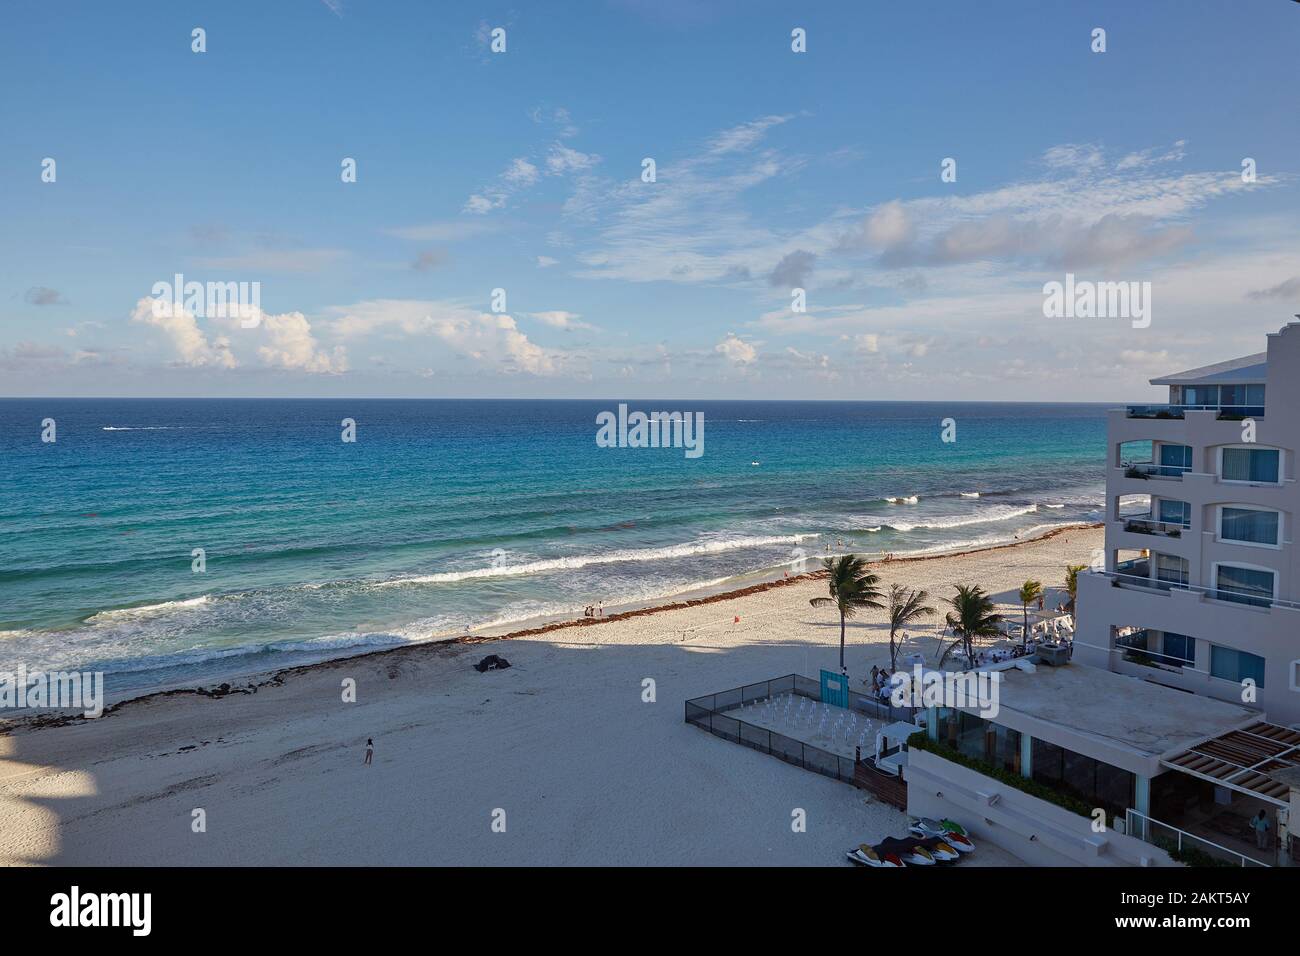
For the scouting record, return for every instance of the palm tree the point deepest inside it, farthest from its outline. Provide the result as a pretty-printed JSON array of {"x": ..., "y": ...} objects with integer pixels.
[
  {"x": 972, "y": 616},
  {"x": 1072, "y": 582},
  {"x": 905, "y": 609},
  {"x": 1030, "y": 592},
  {"x": 853, "y": 588}
]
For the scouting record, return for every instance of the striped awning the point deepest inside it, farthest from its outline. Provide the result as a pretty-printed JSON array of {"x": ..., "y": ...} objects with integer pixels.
[{"x": 1245, "y": 760}]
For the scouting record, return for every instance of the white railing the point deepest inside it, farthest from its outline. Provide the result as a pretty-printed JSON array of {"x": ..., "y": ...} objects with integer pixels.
[
  {"x": 1163, "y": 835},
  {"x": 1215, "y": 594}
]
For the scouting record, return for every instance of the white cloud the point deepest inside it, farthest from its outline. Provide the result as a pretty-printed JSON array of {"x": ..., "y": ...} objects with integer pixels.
[
  {"x": 744, "y": 136},
  {"x": 181, "y": 327},
  {"x": 559, "y": 319},
  {"x": 292, "y": 345},
  {"x": 490, "y": 338},
  {"x": 736, "y": 350},
  {"x": 282, "y": 341},
  {"x": 520, "y": 173},
  {"x": 563, "y": 160},
  {"x": 889, "y": 226}
]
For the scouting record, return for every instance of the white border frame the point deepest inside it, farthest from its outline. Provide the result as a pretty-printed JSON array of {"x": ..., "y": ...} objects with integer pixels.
[
  {"x": 1214, "y": 579},
  {"x": 1218, "y": 526},
  {"x": 1281, "y": 466}
]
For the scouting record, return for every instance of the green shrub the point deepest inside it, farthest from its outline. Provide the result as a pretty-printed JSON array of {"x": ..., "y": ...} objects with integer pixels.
[{"x": 920, "y": 741}]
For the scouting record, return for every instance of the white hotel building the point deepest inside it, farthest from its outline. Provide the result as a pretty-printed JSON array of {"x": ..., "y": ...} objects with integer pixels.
[{"x": 1201, "y": 587}]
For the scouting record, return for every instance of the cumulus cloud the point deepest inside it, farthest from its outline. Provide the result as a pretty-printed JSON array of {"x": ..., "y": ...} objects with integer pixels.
[
  {"x": 736, "y": 350},
  {"x": 282, "y": 341},
  {"x": 291, "y": 345},
  {"x": 489, "y": 338},
  {"x": 495, "y": 338},
  {"x": 182, "y": 329}
]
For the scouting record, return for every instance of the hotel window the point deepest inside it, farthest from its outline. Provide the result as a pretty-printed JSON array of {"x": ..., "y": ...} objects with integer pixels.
[
  {"x": 1178, "y": 649},
  {"x": 1244, "y": 585},
  {"x": 1096, "y": 783},
  {"x": 1200, "y": 395},
  {"x": 1175, "y": 459},
  {"x": 1240, "y": 396},
  {"x": 1251, "y": 464},
  {"x": 1171, "y": 569},
  {"x": 1175, "y": 512},
  {"x": 1249, "y": 525},
  {"x": 1236, "y": 666}
]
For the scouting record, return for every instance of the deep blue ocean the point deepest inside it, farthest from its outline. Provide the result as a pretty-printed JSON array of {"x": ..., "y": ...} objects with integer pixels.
[{"x": 447, "y": 514}]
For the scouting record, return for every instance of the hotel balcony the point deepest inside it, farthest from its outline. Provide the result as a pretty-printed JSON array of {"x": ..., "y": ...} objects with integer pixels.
[
  {"x": 1222, "y": 412},
  {"x": 1143, "y": 470},
  {"x": 1143, "y": 533},
  {"x": 1146, "y": 524},
  {"x": 1136, "y": 574},
  {"x": 1187, "y": 425}
]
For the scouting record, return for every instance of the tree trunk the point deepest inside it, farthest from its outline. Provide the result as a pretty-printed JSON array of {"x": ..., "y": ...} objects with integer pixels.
[{"x": 841, "y": 642}]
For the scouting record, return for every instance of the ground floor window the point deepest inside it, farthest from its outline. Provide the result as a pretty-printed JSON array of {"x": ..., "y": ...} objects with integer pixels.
[
  {"x": 980, "y": 739},
  {"x": 1096, "y": 783}
]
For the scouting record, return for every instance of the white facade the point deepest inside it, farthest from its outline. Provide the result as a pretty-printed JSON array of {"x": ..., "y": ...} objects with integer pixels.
[{"x": 1201, "y": 588}]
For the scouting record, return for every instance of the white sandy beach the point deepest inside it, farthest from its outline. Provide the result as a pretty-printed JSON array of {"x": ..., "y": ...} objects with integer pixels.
[{"x": 586, "y": 772}]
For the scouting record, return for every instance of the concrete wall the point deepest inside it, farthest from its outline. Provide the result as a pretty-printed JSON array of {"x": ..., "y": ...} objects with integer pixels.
[
  {"x": 1038, "y": 832},
  {"x": 1270, "y": 633}
]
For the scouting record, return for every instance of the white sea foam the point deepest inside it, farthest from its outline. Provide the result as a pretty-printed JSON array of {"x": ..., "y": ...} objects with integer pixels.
[
  {"x": 585, "y": 560},
  {"x": 147, "y": 610},
  {"x": 970, "y": 494},
  {"x": 1004, "y": 513},
  {"x": 908, "y": 500}
]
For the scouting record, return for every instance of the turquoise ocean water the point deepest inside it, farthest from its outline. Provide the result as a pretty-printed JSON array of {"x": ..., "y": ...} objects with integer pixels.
[{"x": 445, "y": 515}]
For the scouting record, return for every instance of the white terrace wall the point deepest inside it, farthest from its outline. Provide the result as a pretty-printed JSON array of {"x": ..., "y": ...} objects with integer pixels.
[{"x": 1038, "y": 832}]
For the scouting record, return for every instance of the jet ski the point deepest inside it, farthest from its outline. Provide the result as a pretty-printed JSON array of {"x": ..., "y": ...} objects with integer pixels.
[
  {"x": 940, "y": 849},
  {"x": 909, "y": 851},
  {"x": 867, "y": 856},
  {"x": 959, "y": 841}
]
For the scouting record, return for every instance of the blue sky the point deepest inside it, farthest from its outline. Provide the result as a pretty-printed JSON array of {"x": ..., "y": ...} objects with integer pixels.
[{"x": 522, "y": 171}]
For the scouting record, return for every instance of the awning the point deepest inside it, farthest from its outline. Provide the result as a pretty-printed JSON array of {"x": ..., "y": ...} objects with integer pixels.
[{"x": 1245, "y": 761}]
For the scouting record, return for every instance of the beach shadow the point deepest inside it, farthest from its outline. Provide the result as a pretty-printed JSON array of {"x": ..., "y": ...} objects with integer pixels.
[{"x": 565, "y": 742}]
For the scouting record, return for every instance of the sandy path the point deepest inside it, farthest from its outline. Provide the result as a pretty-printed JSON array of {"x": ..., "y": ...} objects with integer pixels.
[{"x": 586, "y": 772}]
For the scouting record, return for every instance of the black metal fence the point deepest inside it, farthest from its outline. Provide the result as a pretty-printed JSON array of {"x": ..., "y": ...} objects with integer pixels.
[{"x": 708, "y": 713}]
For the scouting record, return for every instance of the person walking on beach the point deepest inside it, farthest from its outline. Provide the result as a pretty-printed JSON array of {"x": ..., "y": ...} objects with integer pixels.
[
  {"x": 1259, "y": 823},
  {"x": 370, "y": 750}
]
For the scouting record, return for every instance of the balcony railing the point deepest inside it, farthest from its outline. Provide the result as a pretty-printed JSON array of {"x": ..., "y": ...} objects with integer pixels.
[
  {"x": 1149, "y": 469},
  {"x": 1179, "y": 843},
  {"x": 1230, "y": 412},
  {"x": 1145, "y": 524},
  {"x": 1131, "y": 574},
  {"x": 1136, "y": 652}
]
